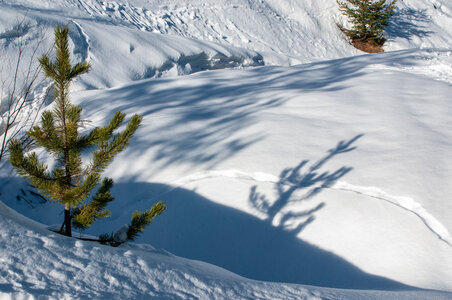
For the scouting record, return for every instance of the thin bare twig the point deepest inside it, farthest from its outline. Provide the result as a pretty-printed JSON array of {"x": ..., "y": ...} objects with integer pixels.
[{"x": 21, "y": 90}]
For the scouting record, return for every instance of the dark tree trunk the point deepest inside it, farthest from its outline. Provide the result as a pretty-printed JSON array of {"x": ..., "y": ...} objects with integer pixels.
[{"x": 67, "y": 221}]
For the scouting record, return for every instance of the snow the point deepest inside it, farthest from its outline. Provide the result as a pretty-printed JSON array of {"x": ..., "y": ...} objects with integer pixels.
[
  {"x": 404, "y": 202},
  {"x": 120, "y": 235},
  {"x": 292, "y": 165},
  {"x": 39, "y": 264}
]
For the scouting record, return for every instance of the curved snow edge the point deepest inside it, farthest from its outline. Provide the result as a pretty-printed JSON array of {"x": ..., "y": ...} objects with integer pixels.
[{"x": 406, "y": 203}]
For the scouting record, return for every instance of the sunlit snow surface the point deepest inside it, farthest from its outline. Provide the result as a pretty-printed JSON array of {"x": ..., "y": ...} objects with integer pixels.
[{"x": 334, "y": 173}]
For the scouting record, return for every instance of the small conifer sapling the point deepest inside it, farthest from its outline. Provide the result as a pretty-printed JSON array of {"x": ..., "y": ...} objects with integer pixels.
[
  {"x": 71, "y": 182},
  {"x": 368, "y": 17}
]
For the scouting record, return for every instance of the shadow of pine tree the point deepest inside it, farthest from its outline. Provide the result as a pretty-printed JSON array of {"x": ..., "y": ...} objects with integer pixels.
[{"x": 308, "y": 181}]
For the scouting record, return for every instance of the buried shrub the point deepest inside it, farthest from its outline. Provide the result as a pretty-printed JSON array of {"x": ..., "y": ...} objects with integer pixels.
[
  {"x": 369, "y": 18},
  {"x": 71, "y": 182}
]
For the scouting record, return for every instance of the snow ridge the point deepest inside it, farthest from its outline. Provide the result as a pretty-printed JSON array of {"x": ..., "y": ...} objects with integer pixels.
[
  {"x": 81, "y": 42},
  {"x": 231, "y": 173},
  {"x": 210, "y": 174},
  {"x": 406, "y": 203}
]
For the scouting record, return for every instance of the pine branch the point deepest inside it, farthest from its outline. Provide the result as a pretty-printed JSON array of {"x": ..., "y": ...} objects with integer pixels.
[
  {"x": 29, "y": 165},
  {"x": 46, "y": 136},
  {"x": 109, "y": 148},
  {"x": 79, "y": 69},
  {"x": 140, "y": 220},
  {"x": 106, "y": 132},
  {"x": 48, "y": 67},
  {"x": 85, "y": 215},
  {"x": 75, "y": 195}
]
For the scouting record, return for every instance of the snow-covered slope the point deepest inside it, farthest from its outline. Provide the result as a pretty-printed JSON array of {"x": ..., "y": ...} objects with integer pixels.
[
  {"x": 122, "y": 35},
  {"x": 129, "y": 54},
  {"x": 300, "y": 30},
  {"x": 338, "y": 168},
  {"x": 38, "y": 264},
  {"x": 334, "y": 173}
]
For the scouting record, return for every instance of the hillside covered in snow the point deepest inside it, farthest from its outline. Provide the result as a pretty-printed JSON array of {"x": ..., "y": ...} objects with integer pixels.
[{"x": 292, "y": 165}]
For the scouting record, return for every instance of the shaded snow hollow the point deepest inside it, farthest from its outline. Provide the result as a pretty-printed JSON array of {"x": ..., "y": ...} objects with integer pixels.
[{"x": 38, "y": 264}]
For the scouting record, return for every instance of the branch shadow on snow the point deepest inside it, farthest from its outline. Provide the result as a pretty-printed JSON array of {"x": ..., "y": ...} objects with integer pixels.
[
  {"x": 203, "y": 119},
  {"x": 408, "y": 23},
  {"x": 198, "y": 123},
  {"x": 292, "y": 182},
  {"x": 197, "y": 228}
]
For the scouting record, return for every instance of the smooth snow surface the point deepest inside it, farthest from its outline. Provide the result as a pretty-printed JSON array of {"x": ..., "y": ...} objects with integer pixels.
[
  {"x": 284, "y": 155},
  {"x": 38, "y": 264}
]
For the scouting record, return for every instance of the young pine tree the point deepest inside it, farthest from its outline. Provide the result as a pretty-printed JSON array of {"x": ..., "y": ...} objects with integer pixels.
[
  {"x": 369, "y": 18},
  {"x": 70, "y": 182}
]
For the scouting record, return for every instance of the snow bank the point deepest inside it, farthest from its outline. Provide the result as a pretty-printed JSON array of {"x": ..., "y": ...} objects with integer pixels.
[
  {"x": 36, "y": 263},
  {"x": 286, "y": 31},
  {"x": 128, "y": 54},
  {"x": 247, "y": 162}
]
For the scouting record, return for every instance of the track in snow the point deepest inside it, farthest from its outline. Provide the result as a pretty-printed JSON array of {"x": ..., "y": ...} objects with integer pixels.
[{"x": 252, "y": 25}]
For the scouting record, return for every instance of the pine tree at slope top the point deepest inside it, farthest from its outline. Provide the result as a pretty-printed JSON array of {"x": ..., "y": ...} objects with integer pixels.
[
  {"x": 70, "y": 183},
  {"x": 369, "y": 18}
]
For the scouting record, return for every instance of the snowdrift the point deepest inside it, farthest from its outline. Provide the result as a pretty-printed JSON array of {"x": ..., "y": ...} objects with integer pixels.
[
  {"x": 287, "y": 31},
  {"x": 38, "y": 264},
  {"x": 343, "y": 161},
  {"x": 129, "y": 54}
]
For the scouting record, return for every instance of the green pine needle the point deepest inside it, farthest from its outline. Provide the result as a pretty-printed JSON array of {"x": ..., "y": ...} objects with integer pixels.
[{"x": 140, "y": 220}]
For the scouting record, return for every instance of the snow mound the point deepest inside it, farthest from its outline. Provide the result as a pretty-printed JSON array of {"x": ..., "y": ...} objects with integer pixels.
[
  {"x": 132, "y": 55},
  {"x": 36, "y": 263},
  {"x": 127, "y": 53},
  {"x": 256, "y": 156},
  {"x": 300, "y": 31}
]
